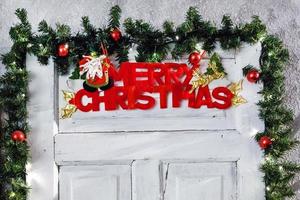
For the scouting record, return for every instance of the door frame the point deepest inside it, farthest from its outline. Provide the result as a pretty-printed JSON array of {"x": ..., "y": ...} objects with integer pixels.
[{"x": 42, "y": 174}]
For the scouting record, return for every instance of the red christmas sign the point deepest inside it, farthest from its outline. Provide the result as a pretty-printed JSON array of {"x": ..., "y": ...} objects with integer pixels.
[
  {"x": 140, "y": 80},
  {"x": 135, "y": 84}
]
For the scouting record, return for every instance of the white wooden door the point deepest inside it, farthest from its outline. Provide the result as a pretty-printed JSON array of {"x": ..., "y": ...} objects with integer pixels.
[{"x": 158, "y": 154}]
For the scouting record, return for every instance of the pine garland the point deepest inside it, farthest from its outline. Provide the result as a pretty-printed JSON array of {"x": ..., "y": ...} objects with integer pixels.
[
  {"x": 13, "y": 92},
  {"x": 153, "y": 45}
]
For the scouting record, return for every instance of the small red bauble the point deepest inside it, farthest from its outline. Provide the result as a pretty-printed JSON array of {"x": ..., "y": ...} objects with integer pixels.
[
  {"x": 264, "y": 142},
  {"x": 253, "y": 76},
  {"x": 195, "y": 58},
  {"x": 63, "y": 50},
  {"x": 115, "y": 34},
  {"x": 18, "y": 136}
]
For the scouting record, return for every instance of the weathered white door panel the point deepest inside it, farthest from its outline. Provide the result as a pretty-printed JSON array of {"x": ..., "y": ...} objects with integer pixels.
[
  {"x": 205, "y": 181},
  {"x": 109, "y": 182}
]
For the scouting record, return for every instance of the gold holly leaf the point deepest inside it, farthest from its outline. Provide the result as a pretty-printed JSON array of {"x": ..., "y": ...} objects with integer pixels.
[
  {"x": 212, "y": 73},
  {"x": 236, "y": 88},
  {"x": 203, "y": 80},
  {"x": 68, "y": 111},
  {"x": 238, "y": 100},
  {"x": 68, "y": 95}
]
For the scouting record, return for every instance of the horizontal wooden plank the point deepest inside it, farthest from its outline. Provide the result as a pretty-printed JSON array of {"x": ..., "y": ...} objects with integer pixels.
[{"x": 153, "y": 145}]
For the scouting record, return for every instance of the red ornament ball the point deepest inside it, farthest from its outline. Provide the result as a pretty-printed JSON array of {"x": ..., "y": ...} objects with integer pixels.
[
  {"x": 115, "y": 34},
  {"x": 63, "y": 50},
  {"x": 18, "y": 136},
  {"x": 195, "y": 58},
  {"x": 264, "y": 142},
  {"x": 253, "y": 76}
]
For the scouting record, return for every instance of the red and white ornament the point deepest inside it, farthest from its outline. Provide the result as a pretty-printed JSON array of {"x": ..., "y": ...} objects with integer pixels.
[
  {"x": 264, "y": 142},
  {"x": 18, "y": 136},
  {"x": 96, "y": 70}
]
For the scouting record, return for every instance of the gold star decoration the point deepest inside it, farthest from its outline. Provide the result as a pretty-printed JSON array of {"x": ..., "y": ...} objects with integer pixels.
[
  {"x": 236, "y": 88},
  {"x": 202, "y": 80},
  {"x": 69, "y": 109}
]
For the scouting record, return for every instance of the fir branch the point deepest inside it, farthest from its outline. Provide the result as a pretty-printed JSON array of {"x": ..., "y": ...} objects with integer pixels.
[
  {"x": 88, "y": 28},
  {"x": 44, "y": 28},
  {"x": 21, "y": 32},
  {"x": 63, "y": 32},
  {"x": 168, "y": 28},
  {"x": 115, "y": 15},
  {"x": 193, "y": 18},
  {"x": 252, "y": 32},
  {"x": 229, "y": 37},
  {"x": 21, "y": 13}
]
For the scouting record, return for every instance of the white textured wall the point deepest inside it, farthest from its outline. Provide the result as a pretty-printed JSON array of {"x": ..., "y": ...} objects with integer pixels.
[{"x": 281, "y": 17}]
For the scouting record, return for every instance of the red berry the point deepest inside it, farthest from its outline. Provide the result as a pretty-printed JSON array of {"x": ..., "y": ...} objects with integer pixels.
[
  {"x": 264, "y": 142},
  {"x": 253, "y": 76},
  {"x": 195, "y": 58},
  {"x": 63, "y": 50},
  {"x": 18, "y": 136},
  {"x": 115, "y": 34}
]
